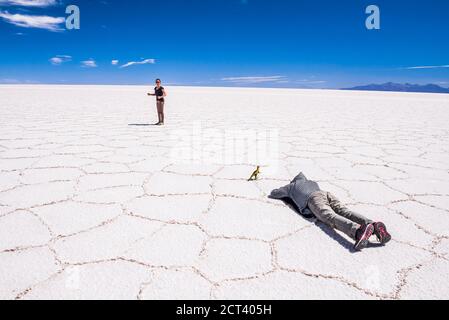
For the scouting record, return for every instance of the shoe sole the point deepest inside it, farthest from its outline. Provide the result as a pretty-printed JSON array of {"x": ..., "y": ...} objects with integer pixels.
[
  {"x": 363, "y": 242},
  {"x": 382, "y": 234}
]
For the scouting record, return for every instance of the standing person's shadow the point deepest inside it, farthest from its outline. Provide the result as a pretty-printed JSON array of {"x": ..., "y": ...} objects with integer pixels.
[{"x": 326, "y": 229}]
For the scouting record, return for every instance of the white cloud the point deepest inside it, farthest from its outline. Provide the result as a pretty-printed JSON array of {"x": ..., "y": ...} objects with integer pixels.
[
  {"x": 114, "y": 62},
  {"x": 428, "y": 67},
  {"x": 60, "y": 59},
  {"x": 10, "y": 81},
  {"x": 29, "y": 21},
  {"x": 132, "y": 63},
  {"x": 91, "y": 63},
  {"x": 252, "y": 80},
  {"x": 306, "y": 81},
  {"x": 29, "y": 3}
]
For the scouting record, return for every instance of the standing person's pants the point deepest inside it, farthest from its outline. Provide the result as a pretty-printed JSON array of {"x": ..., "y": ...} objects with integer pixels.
[
  {"x": 329, "y": 210},
  {"x": 160, "y": 106}
]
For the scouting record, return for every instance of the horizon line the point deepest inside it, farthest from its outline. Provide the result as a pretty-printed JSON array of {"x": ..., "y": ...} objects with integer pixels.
[
  {"x": 30, "y": 83},
  {"x": 352, "y": 89}
]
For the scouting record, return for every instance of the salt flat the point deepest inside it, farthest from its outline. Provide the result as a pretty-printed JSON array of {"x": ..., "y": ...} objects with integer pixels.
[{"x": 96, "y": 204}]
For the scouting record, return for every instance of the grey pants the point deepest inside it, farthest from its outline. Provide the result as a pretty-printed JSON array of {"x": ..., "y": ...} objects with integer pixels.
[{"x": 329, "y": 210}]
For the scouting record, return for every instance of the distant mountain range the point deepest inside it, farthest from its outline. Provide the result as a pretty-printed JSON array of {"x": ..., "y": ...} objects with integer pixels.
[{"x": 397, "y": 87}]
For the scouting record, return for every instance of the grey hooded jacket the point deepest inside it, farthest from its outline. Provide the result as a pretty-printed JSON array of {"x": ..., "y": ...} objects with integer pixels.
[{"x": 299, "y": 192}]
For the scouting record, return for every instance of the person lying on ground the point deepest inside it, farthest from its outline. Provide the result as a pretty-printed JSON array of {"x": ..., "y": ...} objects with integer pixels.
[{"x": 313, "y": 202}]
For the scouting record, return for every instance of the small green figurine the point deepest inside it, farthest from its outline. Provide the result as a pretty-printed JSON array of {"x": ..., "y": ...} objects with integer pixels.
[{"x": 255, "y": 174}]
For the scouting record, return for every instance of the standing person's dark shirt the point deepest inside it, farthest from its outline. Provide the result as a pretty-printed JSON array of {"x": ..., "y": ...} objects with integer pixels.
[{"x": 159, "y": 92}]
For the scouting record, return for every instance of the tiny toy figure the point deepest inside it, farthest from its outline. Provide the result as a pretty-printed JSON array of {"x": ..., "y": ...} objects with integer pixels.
[{"x": 255, "y": 174}]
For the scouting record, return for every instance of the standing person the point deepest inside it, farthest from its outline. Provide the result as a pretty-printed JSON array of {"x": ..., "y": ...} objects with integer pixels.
[
  {"x": 312, "y": 201},
  {"x": 160, "y": 94}
]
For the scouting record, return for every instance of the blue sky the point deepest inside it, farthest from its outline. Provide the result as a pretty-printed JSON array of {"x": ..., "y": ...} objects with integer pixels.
[{"x": 282, "y": 43}]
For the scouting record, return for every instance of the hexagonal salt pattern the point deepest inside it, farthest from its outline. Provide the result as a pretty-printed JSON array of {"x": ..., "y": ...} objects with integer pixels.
[
  {"x": 94, "y": 204},
  {"x": 21, "y": 270},
  {"x": 429, "y": 281},
  {"x": 93, "y": 281},
  {"x": 176, "y": 284},
  {"x": 22, "y": 229},
  {"x": 225, "y": 259},
  {"x": 283, "y": 285}
]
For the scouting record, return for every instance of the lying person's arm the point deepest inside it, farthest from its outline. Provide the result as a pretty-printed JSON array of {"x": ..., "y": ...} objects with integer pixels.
[{"x": 281, "y": 193}]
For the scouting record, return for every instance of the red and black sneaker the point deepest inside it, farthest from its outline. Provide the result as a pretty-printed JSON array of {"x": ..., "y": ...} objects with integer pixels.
[
  {"x": 362, "y": 236},
  {"x": 380, "y": 230}
]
